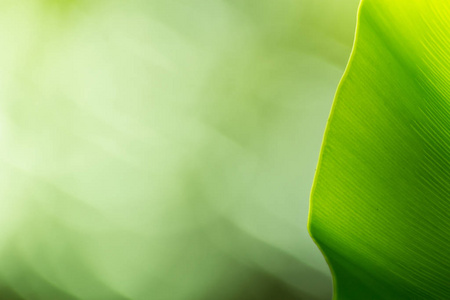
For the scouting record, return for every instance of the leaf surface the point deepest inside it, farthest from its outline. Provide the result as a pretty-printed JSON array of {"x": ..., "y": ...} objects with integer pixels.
[{"x": 381, "y": 198}]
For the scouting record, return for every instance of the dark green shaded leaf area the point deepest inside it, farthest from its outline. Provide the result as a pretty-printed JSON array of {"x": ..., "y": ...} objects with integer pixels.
[{"x": 380, "y": 208}]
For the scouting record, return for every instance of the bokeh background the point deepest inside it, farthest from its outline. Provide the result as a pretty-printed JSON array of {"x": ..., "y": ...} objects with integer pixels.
[{"x": 157, "y": 149}]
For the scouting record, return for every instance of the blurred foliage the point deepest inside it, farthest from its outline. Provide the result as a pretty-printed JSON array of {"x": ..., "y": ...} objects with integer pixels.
[{"x": 164, "y": 149}]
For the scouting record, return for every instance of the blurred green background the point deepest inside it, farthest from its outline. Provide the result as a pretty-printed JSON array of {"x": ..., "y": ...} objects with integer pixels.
[{"x": 164, "y": 149}]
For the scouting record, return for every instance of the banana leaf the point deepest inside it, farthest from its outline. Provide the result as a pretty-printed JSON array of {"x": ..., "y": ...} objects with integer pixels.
[{"x": 380, "y": 205}]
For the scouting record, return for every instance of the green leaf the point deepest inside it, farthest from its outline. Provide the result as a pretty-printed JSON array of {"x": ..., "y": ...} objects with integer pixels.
[{"x": 381, "y": 198}]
